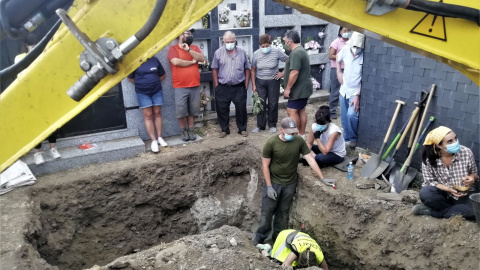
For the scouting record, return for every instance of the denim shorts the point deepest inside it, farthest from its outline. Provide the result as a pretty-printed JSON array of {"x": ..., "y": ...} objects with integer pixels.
[
  {"x": 297, "y": 104},
  {"x": 145, "y": 101}
]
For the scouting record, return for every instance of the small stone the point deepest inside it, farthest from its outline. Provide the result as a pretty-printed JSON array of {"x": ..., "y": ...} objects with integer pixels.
[
  {"x": 362, "y": 262},
  {"x": 202, "y": 268},
  {"x": 389, "y": 196},
  {"x": 233, "y": 242}
]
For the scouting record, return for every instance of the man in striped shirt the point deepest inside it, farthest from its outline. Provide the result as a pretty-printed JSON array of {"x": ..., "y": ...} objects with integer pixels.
[{"x": 231, "y": 76}]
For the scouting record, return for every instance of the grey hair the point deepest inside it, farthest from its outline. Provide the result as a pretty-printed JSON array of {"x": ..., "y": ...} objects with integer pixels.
[
  {"x": 229, "y": 33},
  {"x": 292, "y": 35}
]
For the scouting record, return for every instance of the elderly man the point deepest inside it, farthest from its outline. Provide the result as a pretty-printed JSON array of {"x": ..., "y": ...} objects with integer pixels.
[
  {"x": 183, "y": 59},
  {"x": 231, "y": 76},
  {"x": 296, "y": 77},
  {"x": 350, "y": 79},
  {"x": 279, "y": 165}
]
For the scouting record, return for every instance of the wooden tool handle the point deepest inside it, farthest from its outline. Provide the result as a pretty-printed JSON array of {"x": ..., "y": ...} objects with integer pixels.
[
  {"x": 412, "y": 132},
  {"x": 410, "y": 122},
  {"x": 432, "y": 89},
  {"x": 394, "y": 118}
]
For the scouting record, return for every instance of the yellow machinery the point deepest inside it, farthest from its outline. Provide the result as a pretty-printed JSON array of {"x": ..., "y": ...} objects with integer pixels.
[{"x": 36, "y": 104}]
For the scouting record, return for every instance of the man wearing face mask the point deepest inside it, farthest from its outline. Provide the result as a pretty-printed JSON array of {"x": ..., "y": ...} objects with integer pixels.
[
  {"x": 279, "y": 166},
  {"x": 350, "y": 79},
  {"x": 183, "y": 59},
  {"x": 330, "y": 147},
  {"x": 446, "y": 163},
  {"x": 231, "y": 76},
  {"x": 298, "y": 85}
]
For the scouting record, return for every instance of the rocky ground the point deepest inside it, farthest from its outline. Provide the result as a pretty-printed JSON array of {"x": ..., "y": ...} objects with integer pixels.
[{"x": 195, "y": 207}]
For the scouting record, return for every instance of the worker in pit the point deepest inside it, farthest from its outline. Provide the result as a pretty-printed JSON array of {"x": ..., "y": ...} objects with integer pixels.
[
  {"x": 445, "y": 165},
  {"x": 294, "y": 248},
  {"x": 279, "y": 165}
]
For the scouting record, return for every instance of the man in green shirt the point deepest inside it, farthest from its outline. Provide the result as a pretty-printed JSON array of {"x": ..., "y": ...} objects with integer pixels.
[
  {"x": 297, "y": 80},
  {"x": 279, "y": 165}
]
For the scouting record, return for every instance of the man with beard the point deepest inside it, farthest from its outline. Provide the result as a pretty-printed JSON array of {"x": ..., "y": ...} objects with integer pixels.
[{"x": 183, "y": 59}]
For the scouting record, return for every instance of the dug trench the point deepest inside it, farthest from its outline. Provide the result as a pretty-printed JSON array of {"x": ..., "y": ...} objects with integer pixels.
[{"x": 196, "y": 208}]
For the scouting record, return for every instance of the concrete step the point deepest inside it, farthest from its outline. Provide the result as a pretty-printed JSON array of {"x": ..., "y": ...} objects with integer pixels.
[
  {"x": 93, "y": 138},
  {"x": 73, "y": 157}
]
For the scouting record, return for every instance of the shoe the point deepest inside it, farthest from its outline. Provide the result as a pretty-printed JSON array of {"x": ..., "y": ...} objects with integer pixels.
[
  {"x": 185, "y": 136},
  {"x": 162, "y": 142},
  {"x": 244, "y": 133},
  {"x": 273, "y": 129},
  {"x": 421, "y": 209},
  {"x": 154, "y": 146},
  {"x": 191, "y": 134},
  {"x": 38, "y": 158},
  {"x": 223, "y": 135},
  {"x": 54, "y": 153},
  {"x": 256, "y": 130},
  {"x": 351, "y": 144}
]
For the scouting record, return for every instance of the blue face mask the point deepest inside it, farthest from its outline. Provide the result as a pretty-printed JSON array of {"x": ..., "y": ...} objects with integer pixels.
[
  {"x": 453, "y": 148},
  {"x": 288, "y": 137},
  {"x": 230, "y": 46},
  {"x": 266, "y": 50},
  {"x": 347, "y": 35},
  {"x": 320, "y": 127}
]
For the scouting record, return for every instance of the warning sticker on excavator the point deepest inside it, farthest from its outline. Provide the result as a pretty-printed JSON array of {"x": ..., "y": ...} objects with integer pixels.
[{"x": 432, "y": 26}]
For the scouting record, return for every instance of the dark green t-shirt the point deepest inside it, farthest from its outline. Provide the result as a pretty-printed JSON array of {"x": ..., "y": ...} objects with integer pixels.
[
  {"x": 284, "y": 158},
  {"x": 298, "y": 60}
]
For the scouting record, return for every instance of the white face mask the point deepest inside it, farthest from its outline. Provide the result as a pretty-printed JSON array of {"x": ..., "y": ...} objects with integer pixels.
[{"x": 230, "y": 46}]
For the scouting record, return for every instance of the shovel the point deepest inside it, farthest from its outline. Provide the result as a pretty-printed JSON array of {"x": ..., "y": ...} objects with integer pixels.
[
  {"x": 403, "y": 177},
  {"x": 423, "y": 97},
  {"x": 411, "y": 172},
  {"x": 374, "y": 161},
  {"x": 402, "y": 134}
]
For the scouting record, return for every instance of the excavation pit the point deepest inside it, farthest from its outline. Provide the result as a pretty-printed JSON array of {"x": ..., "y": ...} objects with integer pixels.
[{"x": 170, "y": 211}]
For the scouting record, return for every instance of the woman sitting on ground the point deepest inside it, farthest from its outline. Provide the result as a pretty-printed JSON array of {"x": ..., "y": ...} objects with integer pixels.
[
  {"x": 330, "y": 147},
  {"x": 446, "y": 163}
]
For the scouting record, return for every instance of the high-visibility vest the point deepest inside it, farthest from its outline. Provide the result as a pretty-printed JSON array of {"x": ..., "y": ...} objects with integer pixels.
[{"x": 298, "y": 241}]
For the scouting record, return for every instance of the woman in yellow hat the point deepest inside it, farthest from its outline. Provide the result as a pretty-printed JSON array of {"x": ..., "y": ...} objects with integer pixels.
[{"x": 446, "y": 164}]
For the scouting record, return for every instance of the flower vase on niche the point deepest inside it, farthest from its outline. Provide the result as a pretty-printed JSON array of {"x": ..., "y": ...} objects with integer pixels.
[{"x": 243, "y": 18}]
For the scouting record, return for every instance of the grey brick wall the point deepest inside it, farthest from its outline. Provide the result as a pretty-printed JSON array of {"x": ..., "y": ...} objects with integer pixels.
[{"x": 391, "y": 73}]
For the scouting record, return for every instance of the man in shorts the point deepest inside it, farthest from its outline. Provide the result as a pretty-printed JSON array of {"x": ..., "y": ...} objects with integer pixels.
[
  {"x": 296, "y": 76},
  {"x": 183, "y": 58}
]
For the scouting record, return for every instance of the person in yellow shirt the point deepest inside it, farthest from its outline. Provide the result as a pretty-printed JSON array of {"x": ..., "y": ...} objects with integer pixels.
[{"x": 294, "y": 248}]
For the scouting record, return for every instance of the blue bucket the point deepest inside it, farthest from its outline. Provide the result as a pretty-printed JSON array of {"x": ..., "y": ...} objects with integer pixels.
[{"x": 475, "y": 198}]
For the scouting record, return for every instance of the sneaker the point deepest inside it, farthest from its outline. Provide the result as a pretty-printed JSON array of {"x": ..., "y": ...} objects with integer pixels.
[
  {"x": 185, "y": 136},
  {"x": 162, "y": 142},
  {"x": 223, "y": 135},
  {"x": 273, "y": 129},
  {"x": 244, "y": 133},
  {"x": 54, "y": 153},
  {"x": 191, "y": 134},
  {"x": 38, "y": 158},
  {"x": 256, "y": 130},
  {"x": 154, "y": 147},
  {"x": 421, "y": 209}
]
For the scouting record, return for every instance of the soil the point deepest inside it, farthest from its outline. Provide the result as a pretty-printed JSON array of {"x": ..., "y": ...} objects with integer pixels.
[{"x": 196, "y": 206}]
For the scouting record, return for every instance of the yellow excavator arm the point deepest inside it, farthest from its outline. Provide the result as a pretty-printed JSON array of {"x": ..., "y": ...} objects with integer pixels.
[
  {"x": 454, "y": 41},
  {"x": 36, "y": 103}
]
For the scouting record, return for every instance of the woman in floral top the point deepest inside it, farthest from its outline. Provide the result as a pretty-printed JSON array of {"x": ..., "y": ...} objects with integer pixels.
[{"x": 446, "y": 163}]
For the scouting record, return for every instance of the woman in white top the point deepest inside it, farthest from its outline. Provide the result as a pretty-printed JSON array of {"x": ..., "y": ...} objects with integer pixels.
[{"x": 330, "y": 145}]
